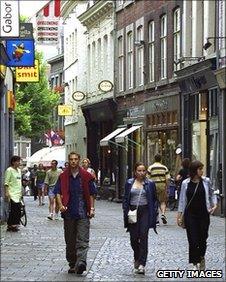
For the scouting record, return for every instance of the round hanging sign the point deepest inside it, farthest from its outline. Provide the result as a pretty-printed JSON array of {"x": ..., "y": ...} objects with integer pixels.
[
  {"x": 105, "y": 85},
  {"x": 78, "y": 96}
]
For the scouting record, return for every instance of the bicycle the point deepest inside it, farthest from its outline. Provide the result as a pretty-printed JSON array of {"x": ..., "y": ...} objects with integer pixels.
[{"x": 23, "y": 215}]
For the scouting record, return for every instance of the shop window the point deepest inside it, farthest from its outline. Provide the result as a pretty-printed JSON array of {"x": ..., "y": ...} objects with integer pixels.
[
  {"x": 203, "y": 106},
  {"x": 164, "y": 118},
  {"x": 194, "y": 107},
  {"x": 213, "y": 103},
  {"x": 174, "y": 117},
  {"x": 169, "y": 118}
]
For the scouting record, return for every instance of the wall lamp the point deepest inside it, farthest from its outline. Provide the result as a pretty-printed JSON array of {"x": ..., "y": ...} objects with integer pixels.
[
  {"x": 139, "y": 42},
  {"x": 208, "y": 43}
]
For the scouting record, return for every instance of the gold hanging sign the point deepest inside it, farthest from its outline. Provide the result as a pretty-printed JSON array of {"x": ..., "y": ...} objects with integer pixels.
[
  {"x": 28, "y": 74},
  {"x": 64, "y": 110}
]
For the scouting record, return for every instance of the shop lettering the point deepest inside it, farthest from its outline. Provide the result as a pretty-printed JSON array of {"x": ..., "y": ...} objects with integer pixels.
[
  {"x": 199, "y": 81},
  {"x": 160, "y": 105},
  {"x": 30, "y": 74},
  {"x": 192, "y": 84},
  {"x": 7, "y": 28}
]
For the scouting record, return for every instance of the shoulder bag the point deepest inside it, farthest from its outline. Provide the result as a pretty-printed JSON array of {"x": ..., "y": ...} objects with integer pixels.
[{"x": 132, "y": 215}]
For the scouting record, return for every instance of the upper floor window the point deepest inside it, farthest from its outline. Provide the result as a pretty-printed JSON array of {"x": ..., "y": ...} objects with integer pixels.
[
  {"x": 89, "y": 65},
  {"x": 140, "y": 57},
  {"x": 120, "y": 64},
  {"x": 105, "y": 51},
  {"x": 99, "y": 58},
  {"x": 151, "y": 50},
  {"x": 163, "y": 42},
  {"x": 176, "y": 38},
  {"x": 93, "y": 60},
  {"x": 130, "y": 60}
]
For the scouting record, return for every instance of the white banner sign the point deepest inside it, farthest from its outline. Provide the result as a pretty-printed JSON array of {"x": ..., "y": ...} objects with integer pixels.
[
  {"x": 9, "y": 18},
  {"x": 47, "y": 23}
]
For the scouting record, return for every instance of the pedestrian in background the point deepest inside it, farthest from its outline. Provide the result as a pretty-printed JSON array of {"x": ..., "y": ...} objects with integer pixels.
[
  {"x": 66, "y": 165},
  {"x": 33, "y": 186},
  {"x": 140, "y": 194},
  {"x": 13, "y": 193},
  {"x": 197, "y": 201},
  {"x": 87, "y": 166},
  {"x": 50, "y": 181},
  {"x": 39, "y": 183},
  {"x": 76, "y": 192},
  {"x": 182, "y": 174},
  {"x": 159, "y": 173}
]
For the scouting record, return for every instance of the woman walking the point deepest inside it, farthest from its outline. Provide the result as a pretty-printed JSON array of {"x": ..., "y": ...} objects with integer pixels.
[
  {"x": 87, "y": 166},
  {"x": 197, "y": 201},
  {"x": 13, "y": 193},
  {"x": 140, "y": 194}
]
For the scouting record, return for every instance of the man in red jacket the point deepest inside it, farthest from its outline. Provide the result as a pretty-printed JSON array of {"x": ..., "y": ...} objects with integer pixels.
[{"x": 75, "y": 193}]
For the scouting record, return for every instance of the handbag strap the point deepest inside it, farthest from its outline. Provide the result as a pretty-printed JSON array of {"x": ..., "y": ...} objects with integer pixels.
[
  {"x": 139, "y": 197},
  {"x": 192, "y": 196}
]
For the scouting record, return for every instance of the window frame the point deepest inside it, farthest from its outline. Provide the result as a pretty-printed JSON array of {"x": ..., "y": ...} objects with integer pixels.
[
  {"x": 151, "y": 50},
  {"x": 130, "y": 60},
  {"x": 163, "y": 46},
  {"x": 120, "y": 63}
]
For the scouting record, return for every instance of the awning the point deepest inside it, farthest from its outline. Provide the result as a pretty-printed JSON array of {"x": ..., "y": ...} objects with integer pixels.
[
  {"x": 105, "y": 140},
  {"x": 121, "y": 137},
  {"x": 46, "y": 155}
]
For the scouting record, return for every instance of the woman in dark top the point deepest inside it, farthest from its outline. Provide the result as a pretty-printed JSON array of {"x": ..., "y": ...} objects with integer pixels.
[
  {"x": 140, "y": 193},
  {"x": 197, "y": 201}
]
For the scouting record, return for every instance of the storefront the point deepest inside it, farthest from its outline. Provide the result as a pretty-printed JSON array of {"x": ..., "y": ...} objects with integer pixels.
[
  {"x": 200, "y": 104},
  {"x": 99, "y": 123},
  {"x": 162, "y": 129}
]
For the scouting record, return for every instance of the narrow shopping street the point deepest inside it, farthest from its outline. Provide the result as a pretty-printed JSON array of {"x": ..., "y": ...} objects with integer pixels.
[{"x": 37, "y": 252}]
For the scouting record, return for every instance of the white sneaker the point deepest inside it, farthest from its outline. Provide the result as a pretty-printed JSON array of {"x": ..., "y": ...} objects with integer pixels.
[
  {"x": 50, "y": 216},
  {"x": 196, "y": 266},
  {"x": 56, "y": 216},
  {"x": 136, "y": 266},
  {"x": 141, "y": 269}
]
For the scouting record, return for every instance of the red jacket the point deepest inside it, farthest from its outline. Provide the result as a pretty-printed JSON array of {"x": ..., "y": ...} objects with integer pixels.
[{"x": 86, "y": 177}]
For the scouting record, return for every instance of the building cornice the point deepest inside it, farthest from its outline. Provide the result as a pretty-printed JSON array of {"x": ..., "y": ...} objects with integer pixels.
[
  {"x": 67, "y": 8},
  {"x": 94, "y": 13},
  {"x": 56, "y": 59}
]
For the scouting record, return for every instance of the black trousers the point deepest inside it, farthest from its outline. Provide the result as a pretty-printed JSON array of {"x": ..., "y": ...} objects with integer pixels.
[
  {"x": 14, "y": 213},
  {"x": 139, "y": 235},
  {"x": 197, "y": 233}
]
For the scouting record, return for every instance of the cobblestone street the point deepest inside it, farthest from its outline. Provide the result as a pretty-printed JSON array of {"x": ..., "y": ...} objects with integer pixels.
[{"x": 37, "y": 252}]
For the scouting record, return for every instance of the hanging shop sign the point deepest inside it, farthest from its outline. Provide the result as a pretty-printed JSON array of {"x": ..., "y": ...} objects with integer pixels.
[
  {"x": 9, "y": 18},
  {"x": 47, "y": 23},
  {"x": 105, "y": 85},
  {"x": 28, "y": 74},
  {"x": 64, "y": 110},
  {"x": 11, "y": 100},
  {"x": 2, "y": 71},
  {"x": 20, "y": 53},
  {"x": 78, "y": 96},
  {"x": 26, "y": 30}
]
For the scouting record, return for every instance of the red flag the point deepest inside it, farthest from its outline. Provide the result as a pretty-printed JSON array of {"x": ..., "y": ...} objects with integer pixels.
[
  {"x": 57, "y": 8},
  {"x": 46, "y": 10}
]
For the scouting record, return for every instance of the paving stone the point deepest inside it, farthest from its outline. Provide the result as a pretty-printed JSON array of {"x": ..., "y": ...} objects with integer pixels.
[{"x": 37, "y": 252}]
